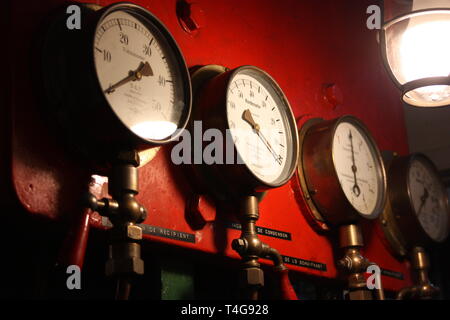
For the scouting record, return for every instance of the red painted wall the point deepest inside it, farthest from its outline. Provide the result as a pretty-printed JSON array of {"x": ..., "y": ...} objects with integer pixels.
[{"x": 302, "y": 44}]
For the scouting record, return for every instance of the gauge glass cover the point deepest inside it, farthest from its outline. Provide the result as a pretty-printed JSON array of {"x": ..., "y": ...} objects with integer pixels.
[
  {"x": 139, "y": 75},
  {"x": 358, "y": 168},
  {"x": 258, "y": 118},
  {"x": 428, "y": 199}
]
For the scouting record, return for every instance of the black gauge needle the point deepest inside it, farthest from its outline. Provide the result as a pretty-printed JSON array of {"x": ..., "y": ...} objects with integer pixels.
[
  {"x": 423, "y": 200},
  {"x": 144, "y": 70},
  {"x": 247, "y": 116},
  {"x": 356, "y": 189}
]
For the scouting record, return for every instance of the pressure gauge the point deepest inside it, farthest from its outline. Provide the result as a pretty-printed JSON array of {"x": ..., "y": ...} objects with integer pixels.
[
  {"x": 120, "y": 81},
  {"x": 418, "y": 212},
  {"x": 341, "y": 170},
  {"x": 252, "y": 112}
]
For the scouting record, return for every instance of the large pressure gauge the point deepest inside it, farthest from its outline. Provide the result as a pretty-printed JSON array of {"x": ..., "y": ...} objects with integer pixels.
[
  {"x": 250, "y": 109},
  {"x": 118, "y": 82},
  {"x": 418, "y": 212},
  {"x": 341, "y": 170}
]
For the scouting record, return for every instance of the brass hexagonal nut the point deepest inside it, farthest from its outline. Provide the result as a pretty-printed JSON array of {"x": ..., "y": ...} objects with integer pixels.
[
  {"x": 124, "y": 266},
  {"x": 253, "y": 276}
]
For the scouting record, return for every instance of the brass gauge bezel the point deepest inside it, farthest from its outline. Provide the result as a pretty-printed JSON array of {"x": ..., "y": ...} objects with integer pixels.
[
  {"x": 88, "y": 123},
  {"x": 395, "y": 242},
  {"x": 400, "y": 220},
  {"x": 306, "y": 196},
  {"x": 151, "y": 22},
  {"x": 210, "y": 87},
  {"x": 321, "y": 182}
]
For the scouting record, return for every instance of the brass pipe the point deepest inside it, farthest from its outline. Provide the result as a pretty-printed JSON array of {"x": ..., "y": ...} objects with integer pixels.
[
  {"x": 124, "y": 212},
  {"x": 354, "y": 264},
  {"x": 123, "y": 288},
  {"x": 275, "y": 256},
  {"x": 251, "y": 248},
  {"x": 422, "y": 288}
]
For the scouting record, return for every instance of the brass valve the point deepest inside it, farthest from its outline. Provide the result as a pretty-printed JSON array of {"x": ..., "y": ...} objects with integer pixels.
[
  {"x": 124, "y": 212},
  {"x": 354, "y": 264},
  {"x": 251, "y": 248}
]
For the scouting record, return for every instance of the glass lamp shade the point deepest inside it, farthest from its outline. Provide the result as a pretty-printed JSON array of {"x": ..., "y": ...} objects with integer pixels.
[{"x": 416, "y": 50}]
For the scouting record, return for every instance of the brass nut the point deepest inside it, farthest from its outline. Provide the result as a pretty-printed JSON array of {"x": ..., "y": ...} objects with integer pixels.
[
  {"x": 254, "y": 276},
  {"x": 130, "y": 157},
  {"x": 201, "y": 209},
  {"x": 124, "y": 266},
  {"x": 239, "y": 245}
]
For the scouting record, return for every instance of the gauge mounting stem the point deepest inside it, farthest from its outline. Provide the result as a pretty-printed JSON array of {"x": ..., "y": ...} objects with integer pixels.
[
  {"x": 422, "y": 288},
  {"x": 251, "y": 248},
  {"x": 354, "y": 264},
  {"x": 125, "y": 213}
]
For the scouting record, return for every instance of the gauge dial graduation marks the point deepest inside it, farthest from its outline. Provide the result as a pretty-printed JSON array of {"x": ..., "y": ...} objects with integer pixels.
[
  {"x": 418, "y": 214},
  {"x": 256, "y": 125},
  {"x": 139, "y": 75},
  {"x": 428, "y": 199},
  {"x": 121, "y": 81},
  {"x": 354, "y": 160},
  {"x": 342, "y": 170},
  {"x": 249, "y": 106}
]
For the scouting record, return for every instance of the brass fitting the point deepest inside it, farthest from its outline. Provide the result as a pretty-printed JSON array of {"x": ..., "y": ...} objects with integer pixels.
[
  {"x": 124, "y": 212},
  {"x": 423, "y": 288},
  {"x": 253, "y": 276},
  {"x": 354, "y": 264},
  {"x": 251, "y": 248},
  {"x": 124, "y": 259}
]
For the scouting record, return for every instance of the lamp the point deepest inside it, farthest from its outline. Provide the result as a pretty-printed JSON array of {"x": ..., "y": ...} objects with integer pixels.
[{"x": 415, "y": 44}]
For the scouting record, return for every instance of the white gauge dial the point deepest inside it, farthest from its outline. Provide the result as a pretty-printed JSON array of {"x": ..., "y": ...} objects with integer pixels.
[
  {"x": 429, "y": 200},
  {"x": 357, "y": 168},
  {"x": 139, "y": 75},
  {"x": 259, "y": 126}
]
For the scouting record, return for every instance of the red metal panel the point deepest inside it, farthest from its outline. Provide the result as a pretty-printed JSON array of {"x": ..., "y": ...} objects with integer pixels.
[{"x": 304, "y": 45}]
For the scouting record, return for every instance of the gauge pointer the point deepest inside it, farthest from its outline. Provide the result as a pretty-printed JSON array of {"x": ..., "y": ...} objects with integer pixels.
[
  {"x": 247, "y": 116},
  {"x": 356, "y": 189},
  {"x": 144, "y": 70},
  {"x": 423, "y": 200}
]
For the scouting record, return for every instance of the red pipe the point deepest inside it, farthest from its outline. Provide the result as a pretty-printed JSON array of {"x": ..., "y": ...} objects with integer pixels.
[
  {"x": 73, "y": 249},
  {"x": 287, "y": 291}
]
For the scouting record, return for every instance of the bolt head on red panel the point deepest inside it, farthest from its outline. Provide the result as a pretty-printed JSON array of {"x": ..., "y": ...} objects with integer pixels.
[
  {"x": 332, "y": 94},
  {"x": 190, "y": 16},
  {"x": 201, "y": 210}
]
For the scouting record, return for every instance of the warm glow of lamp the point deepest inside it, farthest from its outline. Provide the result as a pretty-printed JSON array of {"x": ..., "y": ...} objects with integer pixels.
[{"x": 416, "y": 50}]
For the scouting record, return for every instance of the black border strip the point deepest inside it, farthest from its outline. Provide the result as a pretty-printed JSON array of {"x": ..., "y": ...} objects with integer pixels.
[
  {"x": 304, "y": 263},
  {"x": 392, "y": 274},
  {"x": 168, "y": 233},
  {"x": 160, "y": 232},
  {"x": 263, "y": 231}
]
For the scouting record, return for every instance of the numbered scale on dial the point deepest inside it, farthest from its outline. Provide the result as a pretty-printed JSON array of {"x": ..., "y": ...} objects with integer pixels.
[
  {"x": 250, "y": 110},
  {"x": 417, "y": 213},
  {"x": 118, "y": 82},
  {"x": 341, "y": 171}
]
